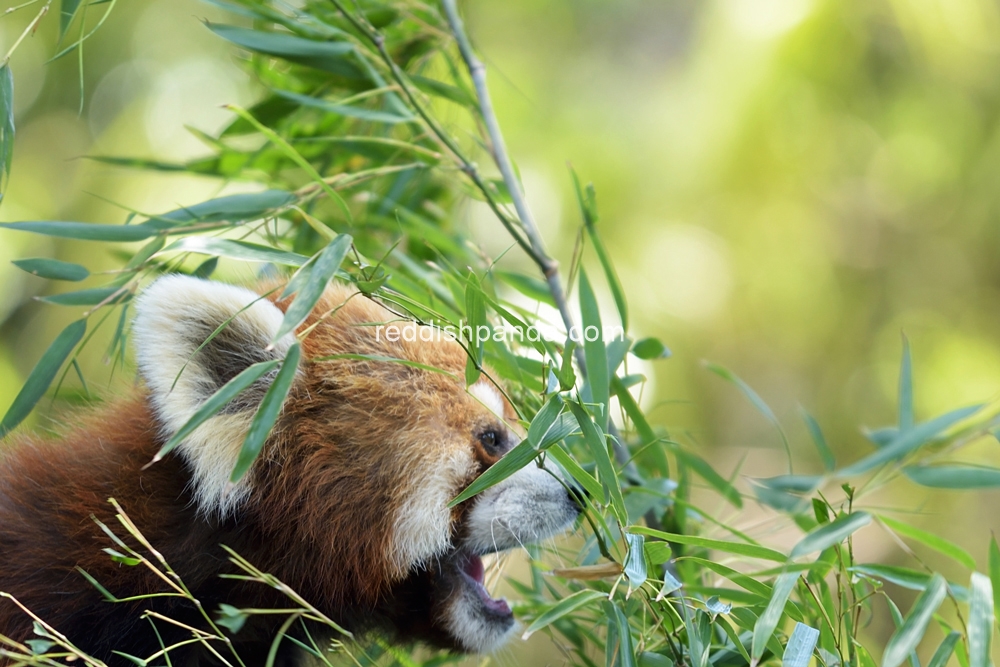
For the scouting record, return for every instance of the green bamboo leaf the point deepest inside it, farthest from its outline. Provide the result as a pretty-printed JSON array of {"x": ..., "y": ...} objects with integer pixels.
[
  {"x": 346, "y": 109},
  {"x": 594, "y": 351},
  {"x": 827, "y": 535},
  {"x": 906, "y": 421},
  {"x": 588, "y": 209},
  {"x": 441, "y": 89},
  {"x": 244, "y": 206},
  {"x": 250, "y": 252},
  {"x": 563, "y": 426},
  {"x": 954, "y": 476},
  {"x": 267, "y": 413},
  {"x": 825, "y": 454},
  {"x": 67, "y": 12},
  {"x": 738, "y": 548},
  {"x": 42, "y": 374},
  {"x": 326, "y": 265},
  {"x": 620, "y": 648},
  {"x": 995, "y": 573},
  {"x": 6, "y": 123},
  {"x": 794, "y": 483},
  {"x": 544, "y": 419},
  {"x": 585, "y": 479},
  {"x": 564, "y": 607},
  {"x": 945, "y": 649},
  {"x": 566, "y": 374},
  {"x": 904, "y": 443},
  {"x": 768, "y": 621},
  {"x": 214, "y": 404},
  {"x": 650, "y": 348},
  {"x": 756, "y": 401},
  {"x": 517, "y": 458},
  {"x": 707, "y": 472},
  {"x": 905, "y": 577},
  {"x": 336, "y": 57},
  {"x": 931, "y": 540},
  {"x": 52, "y": 269},
  {"x": 908, "y": 636},
  {"x": 533, "y": 288},
  {"x": 85, "y": 231},
  {"x": 635, "y": 562},
  {"x": 594, "y": 437},
  {"x": 478, "y": 327},
  {"x": 980, "y": 625},
  {"x": 800, "y": 646},
  {"x": 89, "y": 297},
  {"x": 657, "y": 553}
]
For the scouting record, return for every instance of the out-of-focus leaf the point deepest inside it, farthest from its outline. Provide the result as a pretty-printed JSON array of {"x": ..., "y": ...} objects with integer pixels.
[
  {"x": 931, "y": 540},
  {"x": 594, "y": 436},
  {"x": 88, "y": 297},
  {"x": 905, "y": 577},
  {"x": 441, "y": 89},
  {"x": 906, "y": 442},
  {"x": 479, "y": 327},
  {"x": 84, "y": 231},
  {"x": 738, "y": 548},
  {"x": 267, "y": 413},
  {"x": 783, "y": 501},
  {"x": 42, "y": 374},
  {"x": 756, "y": 401},
  {"x": 564, "y": 607},
  {"x": 945, "y": 649},
  {"x": 670, "y": 584},
  {"x": 594, "y": 350},
  {"x": 346, "y": 109},
  {"x": 832, "y": 533},
  {"x": 635, "y": 562},
  {"x": 658, "y": 553},
  {"x": 588, "y": 210},
  {"x": 707, "y": 472},
  {"x": 6, "y": 123},
  {"x": 980, "y": 624},
  {"x": 329, "y": 260},
  {"x": 908, "y": 636},
  {"x": 206, "y": 268},
  {"x": 994, "y": 559},
  {"x": 620, "y": 648},
  {"x": 716, "y": 606},
  {"x": 246, "y": 206},
  {"x": 954, "y": 476},
  {"x": 543, "y": 421},
  {"x": 795, "y": 483},
  {"x": 650, "y": 659},
  {"x": 800, "y": 646},
  {"x": 231, "y": 618},
  {"x": 329, "y": 56},
  {"x": 768, "y": 621},
  {"x": 566, "y": 374},
  {"x": 517, "y": 458},
  {"x": 880, "y": 437},
  {"x": 650, "y": 348},
  {"x": 825, "y": 454},
  {"x": 67, "y": 11},
  {"x": 53, "y": 269},
  {"x": 250, "y": 252},
  {"x": 533, "y": 288},
  {"x": 906, "y": 421}
]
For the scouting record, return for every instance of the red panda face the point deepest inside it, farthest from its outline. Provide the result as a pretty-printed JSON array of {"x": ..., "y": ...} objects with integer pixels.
[{"x": 352, "y": 488}]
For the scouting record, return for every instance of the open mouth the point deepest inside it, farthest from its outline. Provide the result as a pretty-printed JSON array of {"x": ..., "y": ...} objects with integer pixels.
[{"x": 472, "y": 575}]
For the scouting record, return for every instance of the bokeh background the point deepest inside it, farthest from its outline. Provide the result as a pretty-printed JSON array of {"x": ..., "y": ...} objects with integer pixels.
[{"x": 787, "y": 186}]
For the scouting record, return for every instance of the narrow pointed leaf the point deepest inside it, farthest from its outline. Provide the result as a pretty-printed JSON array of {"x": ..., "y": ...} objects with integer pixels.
[
  {"x": 336, "y": 57},
  {"x": 588, "y": 209},
  {"x": 85, "y": 231},
  {"x": 825, "y": 453},
  {"x": 329, "y": 260},
  {"x": 800, "y": 646},
  {"x": 832, "y": 533},
  {"x": 89, "y": 297},
  {"x": 42, "y": 374},
  {"x": 908, "y": 636},
  {"x": 517, "y": 458},
  {"x": 543, "y": 421},
  {"x": 245, "y": 206},
  {"x": 931, "y": 540},
  {"x": 594, "y": 436},
  {"x": 267, "y": 413},
  {"x": 346, "y": 109},
  {"x": 564, "y": 607},
  {"x": 6, "y": 122},
  {"x": 904, "y": 443},
  {"x": 738, "y": 548},
  {"x": 906, "y": 421},
  {"x": 67, "y": 11},
  {"x": 250, "y": 252},
  {"x": 994, "y": 559},
  {"x": 708, "y": 473},
  {"x": 954, "y": 476},
  {"x": 586, "y": 480},
  {"x": 980, "y": 624},
  {"x": 216, "y": 402},
  {"x": 768, "y": 621},
  {"x": 945, "y": 649},
  {"x": 594, "y": 350},
  {"x": 52, "y": 269}
]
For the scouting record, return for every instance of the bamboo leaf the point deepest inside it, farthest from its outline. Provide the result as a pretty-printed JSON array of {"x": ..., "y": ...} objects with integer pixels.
[
  {"x": 544, "y": 420},
  {"x": 832, "y": 533},
  {"x": 6, "y": 123},
  {"x": 994, "y": 563},
  {"x": 908, "y": 636},
  {"x": 85, "y": 231},
  {"x": 42, "y": 374},
  {"x": 931, "y": 540},
  {"x": 586, "y": 480},
  {"x": 533, "y": 288},
  {"x": 825, "y": 454},
  {"x": 346, "y": 109},
  {"x": 954, "y": 476},
  {"x": 267, "y": 413},
  {"x": 336, "y": 57},
  {"x": 52, "y": 269},
  {"x": 800, "y": 646},
  {"x": 768, "y": 621},
  {"x": 738, "y": 548},
  {"x": 635, "y": 562},
  {"x": 588, "y": 210},
  {"x": 564, "y": 607},
  {"x": 906, "y": 421},
  {"x": 980, "y": 624},
  {"x": 89, "y": 297},
  {"x": 594, "y": 350},
  {"x": 244, "y": 206},
  {"x": 250, "y": 252},
  {"x": 650, "y": 348},
  {"x": 517, "y": 458},
  {"x": 67, "y": 12},
  {"x": 475, "y": 317},
  {"x": 595, "y": 438},
  {"x": 945, "y": 649},
  {"x": 708, "y": 473},
  {"x": 326, "y": 265}
]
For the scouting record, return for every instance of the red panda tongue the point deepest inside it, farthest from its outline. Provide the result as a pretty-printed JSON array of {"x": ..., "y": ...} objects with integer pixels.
[{"x": 473, "y": 568}]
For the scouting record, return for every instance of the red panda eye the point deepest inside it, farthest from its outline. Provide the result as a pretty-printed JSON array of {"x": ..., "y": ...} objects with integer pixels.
[{"x": 491, "y": 441}]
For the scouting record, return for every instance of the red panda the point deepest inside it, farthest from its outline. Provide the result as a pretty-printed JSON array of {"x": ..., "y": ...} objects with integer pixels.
[{"x": 347, "y": 503}]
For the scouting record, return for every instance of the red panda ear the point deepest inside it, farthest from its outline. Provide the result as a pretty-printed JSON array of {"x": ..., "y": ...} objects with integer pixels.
[{"x": 175, "y": 316}]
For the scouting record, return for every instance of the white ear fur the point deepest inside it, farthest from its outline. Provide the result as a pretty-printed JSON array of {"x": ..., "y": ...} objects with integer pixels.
[{"x": 174, "y": 317}]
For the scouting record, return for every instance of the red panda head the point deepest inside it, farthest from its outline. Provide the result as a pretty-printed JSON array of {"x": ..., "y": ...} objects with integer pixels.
[{"x": 350, "y": 495}]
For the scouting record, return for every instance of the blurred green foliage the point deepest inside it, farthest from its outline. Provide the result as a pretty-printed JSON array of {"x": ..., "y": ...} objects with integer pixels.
[{"x": 786, "y": 185}]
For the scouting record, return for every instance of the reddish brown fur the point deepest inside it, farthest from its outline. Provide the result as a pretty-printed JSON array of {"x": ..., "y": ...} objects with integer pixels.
[{"x": 353, "y": 436}]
